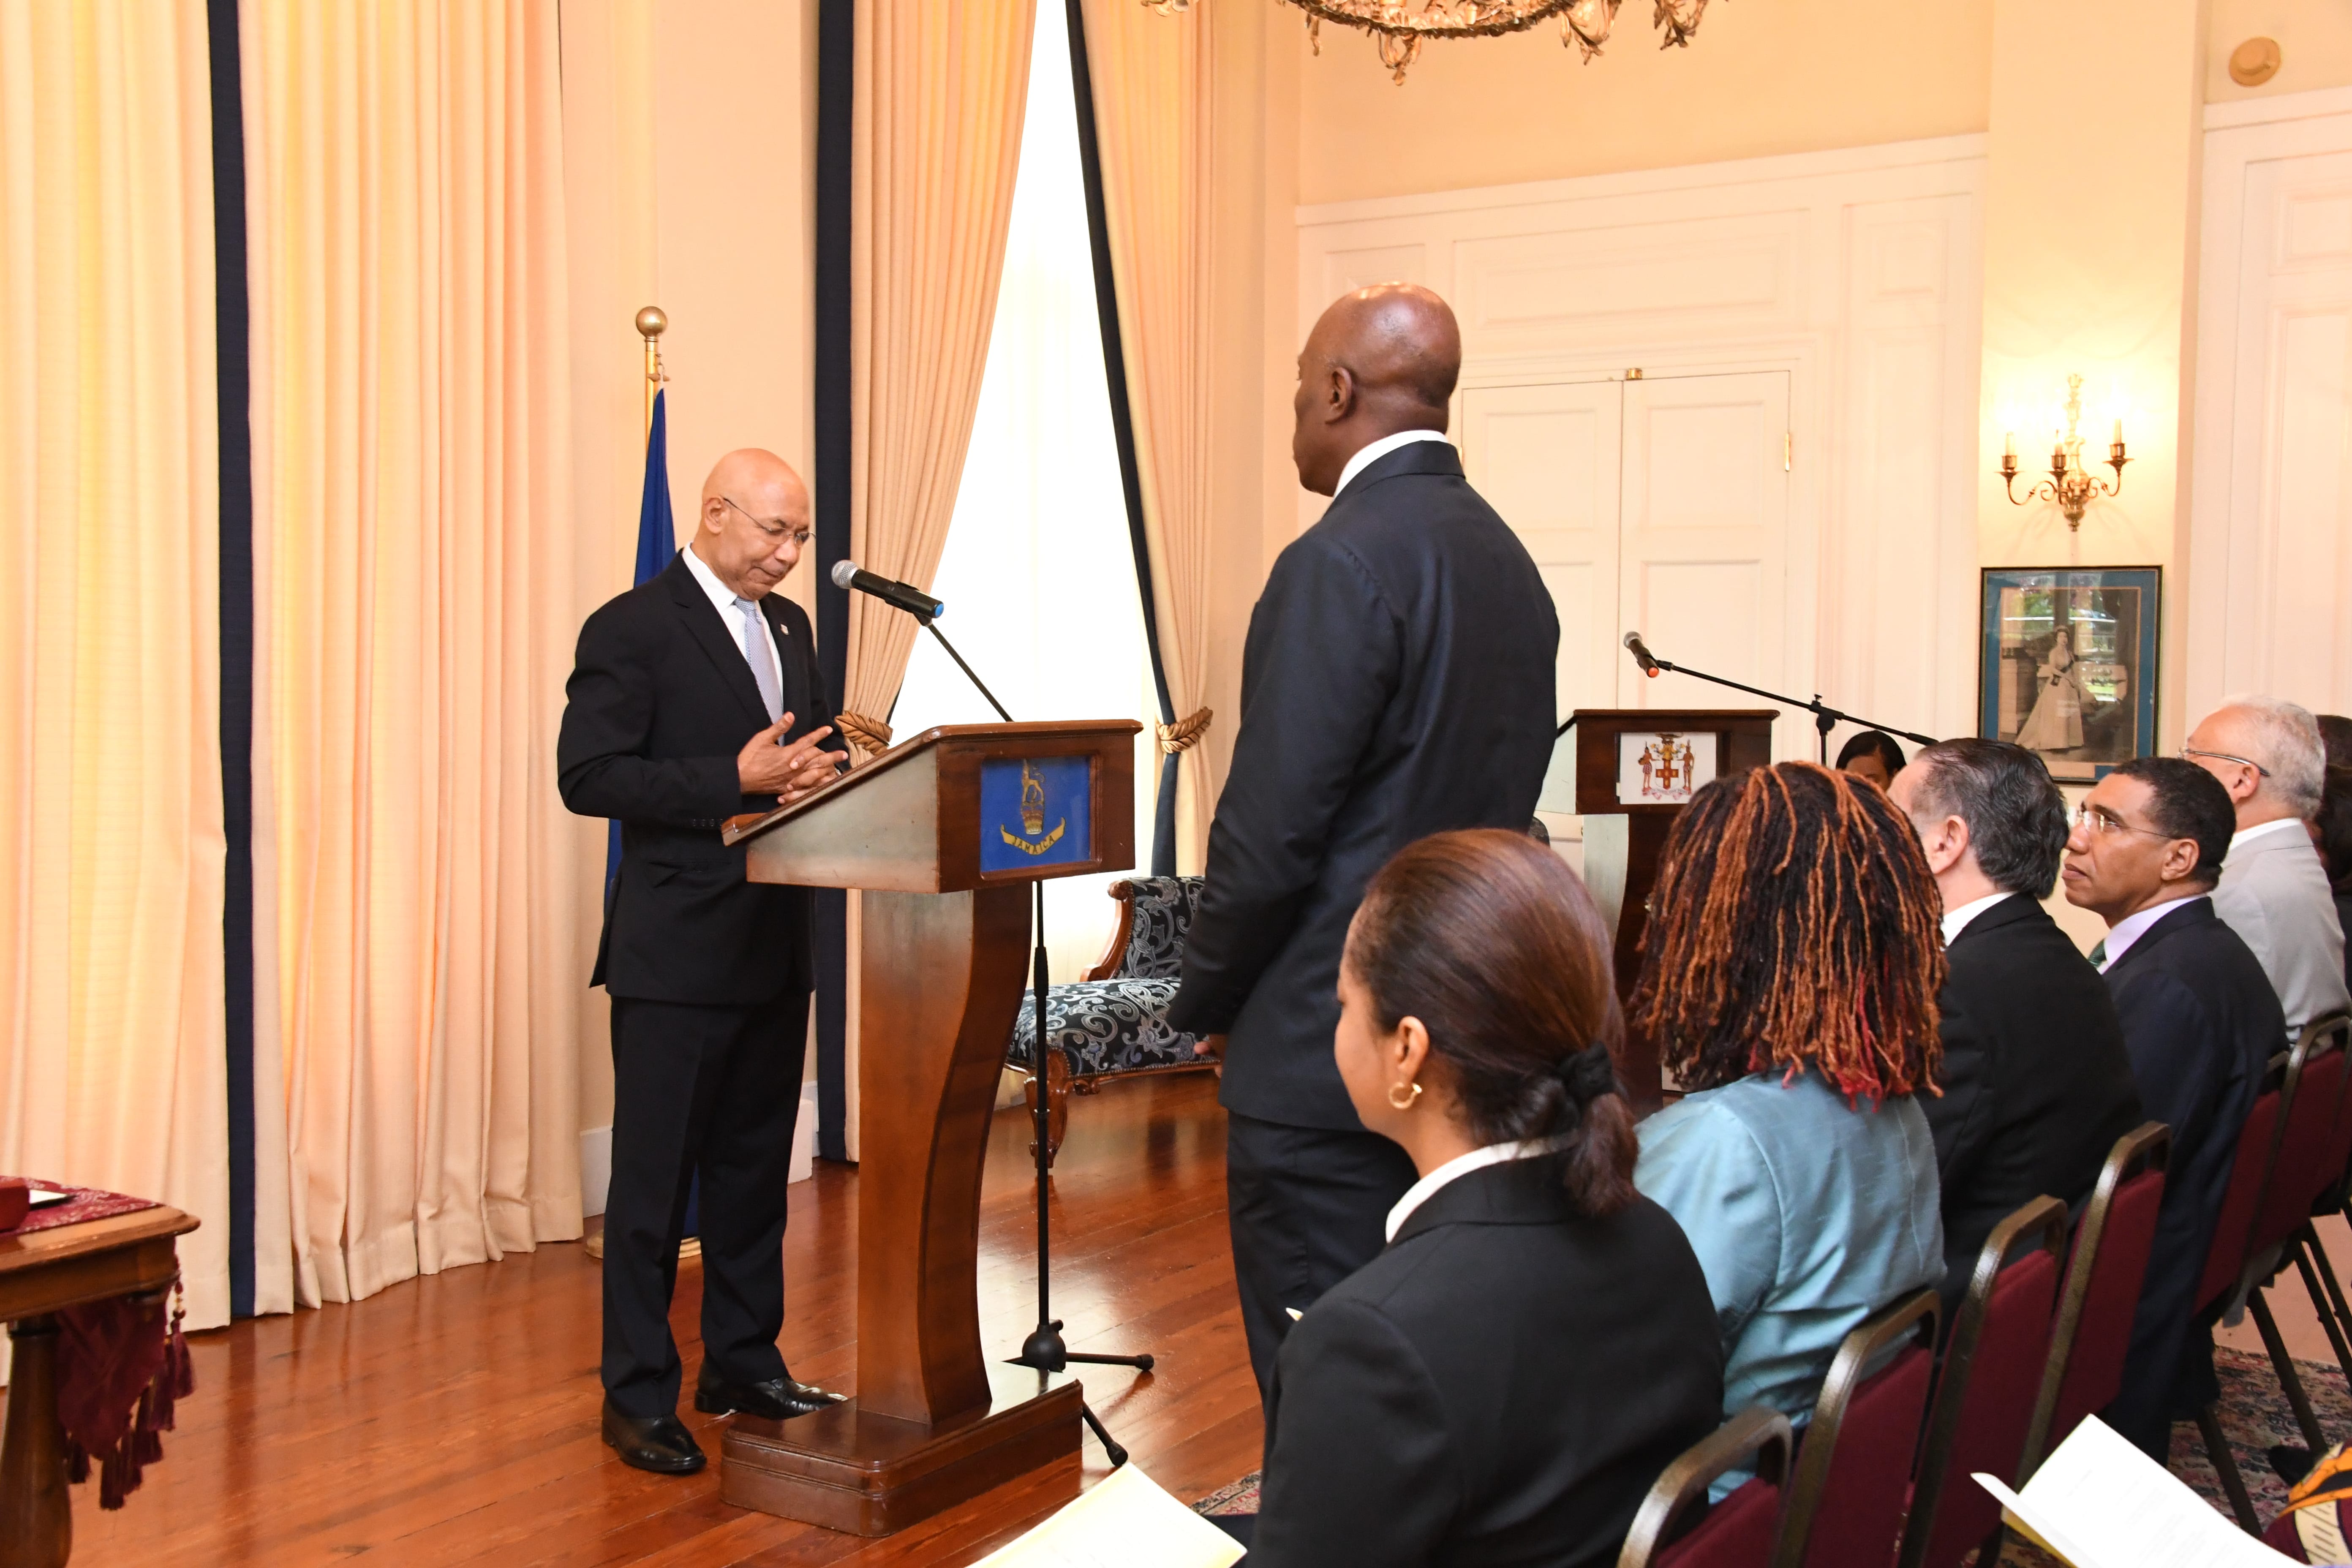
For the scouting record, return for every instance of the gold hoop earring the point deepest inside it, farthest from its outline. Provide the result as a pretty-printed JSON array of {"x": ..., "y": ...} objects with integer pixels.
[{"x": 1412, "y": 1096}]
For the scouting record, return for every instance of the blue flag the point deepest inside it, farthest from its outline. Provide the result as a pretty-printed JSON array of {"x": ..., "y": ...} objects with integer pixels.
[{"x": 656, "y": 543}]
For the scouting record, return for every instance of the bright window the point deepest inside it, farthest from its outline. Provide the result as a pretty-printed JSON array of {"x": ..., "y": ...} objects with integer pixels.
[{"x": 1039, "y": 576}]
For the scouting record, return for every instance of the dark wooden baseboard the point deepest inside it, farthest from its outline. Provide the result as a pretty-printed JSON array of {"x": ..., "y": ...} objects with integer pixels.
[{"x": 876, "y": 1475}]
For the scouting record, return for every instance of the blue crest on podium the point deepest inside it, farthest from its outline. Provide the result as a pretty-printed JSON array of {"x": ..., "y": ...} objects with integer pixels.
[{"x": 1036, "y": 812}]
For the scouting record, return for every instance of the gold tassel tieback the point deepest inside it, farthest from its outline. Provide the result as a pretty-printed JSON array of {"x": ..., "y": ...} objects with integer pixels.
[
  {"x": 869, "y": 735},
  {"x": 1185, "y": 733}
]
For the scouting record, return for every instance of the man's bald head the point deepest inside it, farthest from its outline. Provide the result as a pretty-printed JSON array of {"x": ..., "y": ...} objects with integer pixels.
[
  {"x": 754, "y": 521},
  {"x": 1381, "y": 360}
]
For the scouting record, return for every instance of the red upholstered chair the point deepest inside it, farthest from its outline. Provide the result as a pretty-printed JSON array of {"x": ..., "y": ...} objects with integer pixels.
[
  {"x": 2225, "y": 1261},
  {"x": 1737, "y": 1533},
  {"x": 2111, "y": 1243},
  {"x": 1985, "y": 1393},
  {"x": 2310, "y": 1107},
  {"x": 2334, "y": 1174},
  {"x": 1853, "y": 1468}
]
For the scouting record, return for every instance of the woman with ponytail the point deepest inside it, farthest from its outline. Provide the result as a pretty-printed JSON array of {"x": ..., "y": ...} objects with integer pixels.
[
  {"x": 1503, "y": 1381},
  {"x": 1788, "y": 976}
]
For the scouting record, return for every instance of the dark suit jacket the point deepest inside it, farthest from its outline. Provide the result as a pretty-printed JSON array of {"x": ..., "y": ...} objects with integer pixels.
[
  {"x": 2037, "y": 1085},
  {"x": 1397, "y": 682},
  {"x": 1499, "y": 1386},
  {"x": 659, "y": 703},
  {"x": 2200, "y": 1021}
]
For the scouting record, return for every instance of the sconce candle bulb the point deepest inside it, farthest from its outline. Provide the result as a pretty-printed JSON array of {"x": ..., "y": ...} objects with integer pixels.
[{"x": 2069, "y": 484}]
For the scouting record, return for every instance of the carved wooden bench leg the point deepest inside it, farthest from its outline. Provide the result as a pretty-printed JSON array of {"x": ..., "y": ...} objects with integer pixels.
[{"x": 1057, "y": 1103}]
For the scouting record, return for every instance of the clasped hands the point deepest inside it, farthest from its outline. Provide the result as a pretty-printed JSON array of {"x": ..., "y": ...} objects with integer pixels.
[{"x": 766, "y": 765}]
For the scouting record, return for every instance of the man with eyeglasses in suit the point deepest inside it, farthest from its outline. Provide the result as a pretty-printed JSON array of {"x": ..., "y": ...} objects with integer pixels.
[
  {"x": 2199, "y": 1023},
  {"x": 2275, "y": 893},
  {"x": 694, "y": 697}
]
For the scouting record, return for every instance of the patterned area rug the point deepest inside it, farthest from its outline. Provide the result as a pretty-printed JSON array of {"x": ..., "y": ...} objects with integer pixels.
[{"x": 2254, "y": 1415}]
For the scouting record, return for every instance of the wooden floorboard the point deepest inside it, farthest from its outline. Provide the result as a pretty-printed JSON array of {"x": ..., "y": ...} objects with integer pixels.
[{"x": 454, "y": 1420}]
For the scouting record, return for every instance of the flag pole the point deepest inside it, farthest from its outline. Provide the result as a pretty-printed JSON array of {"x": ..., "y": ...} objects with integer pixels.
[{"x": 651, "y": 325}]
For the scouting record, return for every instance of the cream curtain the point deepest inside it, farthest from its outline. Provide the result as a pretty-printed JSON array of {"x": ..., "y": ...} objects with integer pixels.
[
  {"x": 112, "y": 1059},
  {"x": 1152, "y": 125},
  {"x": 411, "y": 486},
  {"x": 942, "y": 86}
]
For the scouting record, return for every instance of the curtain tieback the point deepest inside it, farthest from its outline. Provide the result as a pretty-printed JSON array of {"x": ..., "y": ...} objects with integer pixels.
[
  {"x": 869, "y": 735},
  {"x": 1185, "y": 733}
]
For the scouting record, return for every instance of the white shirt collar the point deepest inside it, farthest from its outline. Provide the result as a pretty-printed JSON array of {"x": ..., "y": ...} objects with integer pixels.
[
  {"x": 2132, "y": 927},
  {"x": 1367, "y": 456},
  {"x": 2248, "y": 835},
  {"x": 1956, "y": 921},
  {"x": 1461, "y": 1165}
]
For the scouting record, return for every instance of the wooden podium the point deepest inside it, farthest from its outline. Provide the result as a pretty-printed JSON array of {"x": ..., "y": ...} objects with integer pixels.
[
  {"x": 943, "y": 834},
  {"x": 1634, "y": 769}
]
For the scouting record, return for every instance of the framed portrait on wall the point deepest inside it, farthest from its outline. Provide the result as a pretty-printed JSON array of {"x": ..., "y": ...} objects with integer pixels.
[{"x": 2069, "y": 664}]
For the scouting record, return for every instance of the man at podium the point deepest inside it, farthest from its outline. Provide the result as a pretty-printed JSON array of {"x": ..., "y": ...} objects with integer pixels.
[
  {"x": 1397, "y": 682},
  {"x": 696, "y": 696}
]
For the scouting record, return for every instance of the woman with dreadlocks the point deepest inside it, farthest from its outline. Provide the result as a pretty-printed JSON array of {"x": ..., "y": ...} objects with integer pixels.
[{"x": 1788, "y": 976}]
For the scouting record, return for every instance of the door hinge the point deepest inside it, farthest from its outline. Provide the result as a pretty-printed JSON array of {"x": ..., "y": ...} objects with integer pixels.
[
  {"x": 1635, "y": 373},
  {"x": 1788, "y": 450}
]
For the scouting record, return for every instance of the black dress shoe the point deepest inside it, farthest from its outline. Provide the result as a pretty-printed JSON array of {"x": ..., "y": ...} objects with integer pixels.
[
  {"x": 778, "y": 1399},
  {"x": 660, "y": 1443}
]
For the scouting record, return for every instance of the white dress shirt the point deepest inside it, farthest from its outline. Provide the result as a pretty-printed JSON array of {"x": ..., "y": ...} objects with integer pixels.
[
  {"x": 1421, "y": 1191},
  {"x": 1368, "y": 454},
  {"x": 2132, "y": 927},
  {"x": 1956, "y": 921},
  {"x": 723, "y": 599},
  {"x": 2263, "y": 830}
]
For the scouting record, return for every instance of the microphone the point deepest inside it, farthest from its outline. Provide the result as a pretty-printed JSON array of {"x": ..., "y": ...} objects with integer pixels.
[
  {"x": 1633, "y": 645},
  {"x": 905, "y": 597}
]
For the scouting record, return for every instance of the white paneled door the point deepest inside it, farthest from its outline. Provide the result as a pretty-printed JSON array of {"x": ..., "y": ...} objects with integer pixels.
[
  {"x": 1547, "y": 458},
  {"x": 1659, "y": 505},
  {"x": 2275, "y": 511}
]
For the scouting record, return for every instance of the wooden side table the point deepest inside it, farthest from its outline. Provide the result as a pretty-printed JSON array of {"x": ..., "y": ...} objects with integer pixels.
[{"x": 42, "y": 1273}]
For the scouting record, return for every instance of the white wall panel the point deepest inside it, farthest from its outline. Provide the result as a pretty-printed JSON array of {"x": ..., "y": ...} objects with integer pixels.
[{"x": 1853, "y": 279}]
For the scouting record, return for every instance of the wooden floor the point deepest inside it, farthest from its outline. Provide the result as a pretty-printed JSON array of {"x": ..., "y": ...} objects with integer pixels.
[{"x": 454, "y": 1420}]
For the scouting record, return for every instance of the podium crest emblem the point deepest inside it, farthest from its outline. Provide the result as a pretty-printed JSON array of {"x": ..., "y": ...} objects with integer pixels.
[{"x": 1033, "y": 838}]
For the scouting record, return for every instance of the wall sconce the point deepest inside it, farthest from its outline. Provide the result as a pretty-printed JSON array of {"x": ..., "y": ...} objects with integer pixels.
[{"x": 2069, "y": 484}]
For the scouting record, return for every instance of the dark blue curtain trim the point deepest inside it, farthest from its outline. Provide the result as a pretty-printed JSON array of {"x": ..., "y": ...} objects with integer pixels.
[
  {"x": 230, "y": 350},
  {"x": 836, "y": 66},
  {"x": 1122, "y": 426}
]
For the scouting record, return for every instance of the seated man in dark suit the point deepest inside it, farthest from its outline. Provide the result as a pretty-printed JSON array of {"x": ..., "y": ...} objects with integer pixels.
[
  {"x": 2036, "y": 1085},
  {"x": 2200, "y": 1022}
]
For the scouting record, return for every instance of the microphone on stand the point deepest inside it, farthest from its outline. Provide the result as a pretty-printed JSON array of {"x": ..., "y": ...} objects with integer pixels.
[
  {"x": 904, "y": 595},
  {"x": 1633, "y": 645}
]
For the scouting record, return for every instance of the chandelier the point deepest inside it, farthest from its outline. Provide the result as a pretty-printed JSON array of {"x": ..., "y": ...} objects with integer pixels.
[{"x": 1398, "y": 27}]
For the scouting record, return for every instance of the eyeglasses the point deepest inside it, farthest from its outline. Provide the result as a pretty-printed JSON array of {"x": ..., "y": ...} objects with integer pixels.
[
  {"x": 2098, "y": 819},
  {"x": 773, "y": 526},
  {"x": 2226, "y": 757}
]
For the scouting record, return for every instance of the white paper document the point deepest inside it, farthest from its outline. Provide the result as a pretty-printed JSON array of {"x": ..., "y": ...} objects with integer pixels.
[
  {"x": 1127, "y": 1522},
  {"x": 2098, "y": 1502}
]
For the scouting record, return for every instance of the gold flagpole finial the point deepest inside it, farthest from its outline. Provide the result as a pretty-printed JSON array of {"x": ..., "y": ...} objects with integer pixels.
[{"x": 651, "y": 325}]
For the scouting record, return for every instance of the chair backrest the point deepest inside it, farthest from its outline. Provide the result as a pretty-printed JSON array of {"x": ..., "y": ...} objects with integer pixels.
[
  {"x": 1737, "y": 1533},
  {"x": 2225, "y": 1257},
  {"x": 2086, "y": 1368},
  {"x": 1985, "y": 1391},
  {"x": 2308, "y": 1107},
  {"x": 1846, "y": 1504},
  {"x": 1150, "y": 941},
  {"x": 2335, "y": 1154}
]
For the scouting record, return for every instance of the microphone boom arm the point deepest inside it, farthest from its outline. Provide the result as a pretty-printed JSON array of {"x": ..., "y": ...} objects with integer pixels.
[{"x": 1825, "y": 718}]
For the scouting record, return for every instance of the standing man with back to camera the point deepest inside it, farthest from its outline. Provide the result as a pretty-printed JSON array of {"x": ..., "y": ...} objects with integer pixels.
[
  {"x": 1397, "y": 682},
  {"x": 694, "y": 697}
]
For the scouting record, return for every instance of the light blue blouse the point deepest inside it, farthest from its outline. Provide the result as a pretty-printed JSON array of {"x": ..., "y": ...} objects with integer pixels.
[{"x": 1807, "y": 1216}]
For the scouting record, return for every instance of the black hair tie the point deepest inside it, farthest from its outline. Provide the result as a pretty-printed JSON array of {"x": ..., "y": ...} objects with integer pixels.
[{"x": 1586, "y": 1075}]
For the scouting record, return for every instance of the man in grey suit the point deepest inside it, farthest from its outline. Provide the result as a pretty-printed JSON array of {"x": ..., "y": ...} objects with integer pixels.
[{"x": 2273, "y": 890}]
